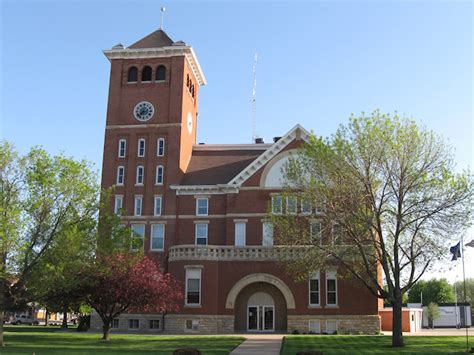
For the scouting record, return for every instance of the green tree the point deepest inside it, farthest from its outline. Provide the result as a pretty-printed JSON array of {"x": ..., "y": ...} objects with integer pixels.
[
  {"x": 434, "y": 290},
  {"x": 390, "y": 187},
  {"x": 432, "y": 313},
  {"x": 469, "y": 290},
  {"x": 40, "y": 197}
]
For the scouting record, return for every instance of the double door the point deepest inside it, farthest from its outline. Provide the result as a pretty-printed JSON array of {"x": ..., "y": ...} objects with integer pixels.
[{"x": 261, "y": 318}]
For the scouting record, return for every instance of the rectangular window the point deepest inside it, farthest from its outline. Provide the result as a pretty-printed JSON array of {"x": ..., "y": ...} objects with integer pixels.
[
  {"x": 314, "y": 290},
  {"x": 159, "y": 175},
  {"x": 141, "y": 147},
  {"x": 201, "y": 233},
  {"x": 157, "y": 240},
  {"x": 202, "y": 206},
  {"x": 331, "y": 288},
  {"x": 193, "y": 286},
  {"x": 315, "y": 233},
  {"x": 118, "y": 204},
  {"x": 305, "y": 206},
  {"x": 138, "y": 236},
  {"x": 267, "y": 234},
  {"x": 121, "y": 148},
  {"x": 115, "y": 323},
  {"x": 240, "y": 234},
  {"x": 314, "y": 326},
  {"x": 154, "y": 324},
  {"x": 140, "y": 175},
  {"x": 291, "y": 204},
  {"x": 192, "y": 324},
  {"x": 133, "y": 323},
  {"x": 160, "y": 147},
  {"x": 336, "y": 233},
  {"x": 276, "y": 204},
  {"x": 120, "y": 175},
  {"x": 331, "y": 326},
  {"x": 157, "y": 207},
  {"x": 138, "y": 206}
]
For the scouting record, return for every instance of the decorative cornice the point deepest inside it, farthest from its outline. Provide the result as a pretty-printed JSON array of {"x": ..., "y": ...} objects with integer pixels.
[
  {"x": 204, "y": 189},
  {"x": 161, "y": 52}
]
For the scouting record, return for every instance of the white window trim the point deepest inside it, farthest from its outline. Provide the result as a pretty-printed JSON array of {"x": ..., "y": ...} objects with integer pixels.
[
  {"x": 287, "y": 205},
  {"x": 158, "y": 147},
  {"x": 120, "y": 167},
  {"x": 124, "y": 141},
  {"x": 314, "y": 276},
  {"x": 310, "y": 208},
  {"x": 117, "y": 198},
  {"x": 156, "y": 198},
  {"x": 235, "y": 232},
  {"x": 331, "y": 320},
  {"x": 135, "y": 205},
  {"x": 186, "y": 289},
  {"x": 207, "y": 206},
  {"x": 332, "y": 275},
  {"x": 151, "y": 237},
  {"x": 143, "y": 176},
  {"x": 263, "y": 233},
  {"x": 138, "y": 147},
  {"x": 162, "y": 174},
  {"x": 281, "y": 205},
  {"x": 196, "y": 233},
  {"x": 314, "y": 320}
]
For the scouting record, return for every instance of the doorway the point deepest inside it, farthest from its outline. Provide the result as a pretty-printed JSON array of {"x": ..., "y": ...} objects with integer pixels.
[{"x": 261, "y": 318}]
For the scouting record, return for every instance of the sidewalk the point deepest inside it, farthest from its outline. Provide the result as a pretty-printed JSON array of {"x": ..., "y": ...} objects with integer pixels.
[{"x": 264, "y": 344}]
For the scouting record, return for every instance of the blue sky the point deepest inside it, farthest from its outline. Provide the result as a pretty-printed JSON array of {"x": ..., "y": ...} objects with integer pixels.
[{"x": 318, "y": 63}]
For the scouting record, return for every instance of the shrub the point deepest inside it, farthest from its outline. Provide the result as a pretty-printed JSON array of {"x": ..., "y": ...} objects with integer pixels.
[
  {"x": 295, "y": 331},
  {"x": 84, "y": 323}
]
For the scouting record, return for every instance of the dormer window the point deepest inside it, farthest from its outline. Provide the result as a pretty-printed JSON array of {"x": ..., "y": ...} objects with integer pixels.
[
  {"x": 161, "y": 73},
  {"x": 146, "y": 74},
  {"x": 132, "y": 75}
]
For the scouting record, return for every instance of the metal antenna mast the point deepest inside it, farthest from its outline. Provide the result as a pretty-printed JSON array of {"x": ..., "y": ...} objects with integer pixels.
[
  {"x": 162, "y": 13},
  {"x": 254, "y": 100}
]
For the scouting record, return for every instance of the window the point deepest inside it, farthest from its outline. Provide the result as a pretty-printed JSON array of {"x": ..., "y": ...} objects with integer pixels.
[
  {"x": 161, "y": 73},
  {"x": 120, "y": 175},
  {"x": 157, "y": 207},
  {"x": 146, "y": 74},
  {"x": 202, "y": 206},
  {"x": 154, "y": 324},
  {"x": 138, "y": 235},
  {"x": 141, "y": 147},
  {"x": 314, "y": 326},
  {"x": 159, "y": 175},
  {"x": 315, "y": 232},
  {"x": 157, "y": 241},
  {"x": 140, "y": 173},
  {"x": 314, "y": 290},
  {"x": 193, "y": 286},
  {"x": 336, "y": 233},
  {"x": 121, "y": 148},
  {"x": 192, "y": 324},
  {"x": 138, "y": 206},
  {"x": 115, "y": 323},
  {"x": 240, "y": 233},
  {"x": 305, "y": 206},
  {"x": 201, "y": 233},
  {"x": 132, "y": 75},
  {"x": 160, "y": 147},
  {"x": 331, "y": 288},
  {"x": 133, "y": 323},
  {"x": 267, "y": 232},
  {"x": 276, "y": 204},
  {"x": 291, "y": 204},
  {"x": 331, "y": 326},
  {"x": 118, "y": 204}
]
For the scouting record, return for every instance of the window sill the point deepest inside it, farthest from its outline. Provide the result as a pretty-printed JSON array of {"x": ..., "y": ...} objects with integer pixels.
[
  {"x": 146, "y": 82},
  {"x": 334, "y": 306},
  {"x": 132, "y": 82},
  {"x": 138, "y": 184},
  {"x": 315, "y": 306},
  {"x": 157, "y": 250},
  {"x": 158, "y": 184},
  {"x": 192, "y": 306},
  {"x": 160, "y": 81}
]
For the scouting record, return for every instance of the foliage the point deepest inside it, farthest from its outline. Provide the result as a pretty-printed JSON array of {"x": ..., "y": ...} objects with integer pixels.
[
  {"x": 432, "y": 313},
  {"x": 390, "y": 188},
  {"x": 124, "y": 282},
  {"x": 41, "y": 197},
  {"x": 434, "y": 290},
  {"x": 469, "y": 290}
]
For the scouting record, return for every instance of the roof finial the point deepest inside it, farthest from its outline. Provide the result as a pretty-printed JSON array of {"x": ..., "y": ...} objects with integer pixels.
[{"x": 162, "y": 12}]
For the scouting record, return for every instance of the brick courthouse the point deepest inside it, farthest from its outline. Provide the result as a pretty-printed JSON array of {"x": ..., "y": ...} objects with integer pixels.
[{"x": 202, "y": 209}]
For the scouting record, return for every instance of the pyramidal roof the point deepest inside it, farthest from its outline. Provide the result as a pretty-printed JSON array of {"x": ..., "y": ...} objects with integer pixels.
[{"x": 156, "y": 39}]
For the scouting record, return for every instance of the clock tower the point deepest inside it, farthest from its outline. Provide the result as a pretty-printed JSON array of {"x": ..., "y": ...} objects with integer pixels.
[{"x": 151, "y": 123}]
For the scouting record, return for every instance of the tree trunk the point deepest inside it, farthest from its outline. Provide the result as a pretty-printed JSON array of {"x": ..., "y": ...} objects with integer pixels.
[
  {"x": 397, "y": 333},
  {"x": 2, "y": 318},
  {"x": 64, "y": 325},
  {"x": 46, "y": 318},
  {"x": 106, "y": 332}
]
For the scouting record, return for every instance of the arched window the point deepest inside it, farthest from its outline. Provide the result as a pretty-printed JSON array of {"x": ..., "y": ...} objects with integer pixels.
[
  {"x": 161, "y": 73},
  {"x": 132, "y": 75},
  {"x": 146, "y": 73},
  {"x": 187, "y": 80}
]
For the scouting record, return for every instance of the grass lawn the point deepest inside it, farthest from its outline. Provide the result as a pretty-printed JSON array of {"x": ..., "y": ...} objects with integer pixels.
[
  {"x": 51, "y": 340},
  {"x": 360, "y": 344}
]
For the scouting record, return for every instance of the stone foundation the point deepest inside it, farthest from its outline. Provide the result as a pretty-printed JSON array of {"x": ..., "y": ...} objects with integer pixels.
[
  {"x": 123, "y": 323},
  {"x": 357, "y": 324}
]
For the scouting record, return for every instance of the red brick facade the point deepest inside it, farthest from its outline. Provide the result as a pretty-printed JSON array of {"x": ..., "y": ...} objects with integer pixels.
[{"x": 234, "y": 180}]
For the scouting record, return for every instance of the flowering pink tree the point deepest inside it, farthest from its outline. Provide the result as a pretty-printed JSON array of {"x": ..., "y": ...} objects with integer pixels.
[{"x": 124, "y": 282}]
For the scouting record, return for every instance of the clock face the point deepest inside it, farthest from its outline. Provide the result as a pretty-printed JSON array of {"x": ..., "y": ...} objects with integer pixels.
[
  {"x": 143, "y": 111},
  {"x": 190, "y": 123}
]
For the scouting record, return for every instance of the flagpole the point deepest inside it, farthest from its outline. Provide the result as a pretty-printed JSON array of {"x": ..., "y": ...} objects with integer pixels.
[{"x": 465, "y": 293}]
